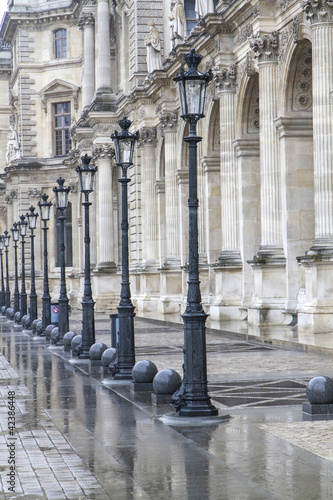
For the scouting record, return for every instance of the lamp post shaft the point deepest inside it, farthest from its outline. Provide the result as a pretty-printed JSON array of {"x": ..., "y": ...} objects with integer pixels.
[
  {"x": 88, "y": 322},
  {"x": 196, "y": 401},
  {"x": 16, "y": 288},
  {"x": 63, "y": 299},
  {"x": 33, "y": 295},
  {"x": 3, "y": 300},
  {"x": 7, "y": 292},
  {"x": 126, "y": 351},
  {"x": 46, "y": 299},
  {"x": 23, "y": 291}
]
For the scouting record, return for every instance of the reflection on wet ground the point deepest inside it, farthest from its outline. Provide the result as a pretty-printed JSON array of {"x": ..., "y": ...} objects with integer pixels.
[{"x": 76, "y": 438}]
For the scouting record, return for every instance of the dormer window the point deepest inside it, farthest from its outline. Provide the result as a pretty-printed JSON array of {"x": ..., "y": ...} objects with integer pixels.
[{"x": 60, "y": 44}]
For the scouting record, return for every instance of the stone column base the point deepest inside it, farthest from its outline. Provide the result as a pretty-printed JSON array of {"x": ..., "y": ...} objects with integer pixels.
[
  {"x": 227, "y": 304},
  {"x": 106, "y": 291},
  {"x": 171, "y": 297}
]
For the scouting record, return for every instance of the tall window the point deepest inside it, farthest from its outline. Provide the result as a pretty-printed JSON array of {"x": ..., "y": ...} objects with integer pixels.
[
  {"x": 62, "y": 123},
  {"x": 190, "y": 15},
  {"x": 60, "y": 44},
  {"x": 68, "y": 237}
]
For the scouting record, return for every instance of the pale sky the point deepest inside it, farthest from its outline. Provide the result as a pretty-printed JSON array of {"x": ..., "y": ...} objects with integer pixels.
[{"x": 3, "y": 7}]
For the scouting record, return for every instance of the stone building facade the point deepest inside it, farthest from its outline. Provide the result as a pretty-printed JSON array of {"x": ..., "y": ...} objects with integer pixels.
[{"x": 265, "y": 172}]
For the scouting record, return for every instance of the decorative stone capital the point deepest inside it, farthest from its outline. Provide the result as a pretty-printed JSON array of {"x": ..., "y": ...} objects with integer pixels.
[
  {"x": 103, "y": 151},
  {"x": 318, "y": 11},
  {"x": 72, "y": 156},
  {"x": 265, "y": 46},
  {"x": 10, "y": 196},
  {"x": 225, "y": 79},
  {"x": 169, "y": 121},
  {"x": 86, "y": 19},
  {"x": 148, "y": 137}
]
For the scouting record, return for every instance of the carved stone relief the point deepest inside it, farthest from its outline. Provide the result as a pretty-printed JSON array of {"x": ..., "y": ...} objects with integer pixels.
[{"x": 302, "y": 86}]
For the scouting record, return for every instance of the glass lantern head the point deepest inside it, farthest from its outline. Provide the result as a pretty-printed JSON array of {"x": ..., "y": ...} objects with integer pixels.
[
  {"x": 15, "y": 232},
  {"x": 44, "y": 208},
  {"x": 86, "y": 175},
  {"x": 192, "y": 85},
  {"x": 32, "y": 218},
  {"x": 23, "y": 225},
  {"x": 124, "y": 143},
  {"x": 6, "y": 238},
  {"x": 61, "y": 194}
]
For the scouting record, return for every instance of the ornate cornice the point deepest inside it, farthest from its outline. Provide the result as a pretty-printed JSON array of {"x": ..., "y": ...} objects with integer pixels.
[
  {"x": 225, "y": 79},
  {"x": 148, "y": 137},
  {"x": 169, "y": 120},
  {"x": 265, "y": 46},
  {"x": 318, "y": 11}
]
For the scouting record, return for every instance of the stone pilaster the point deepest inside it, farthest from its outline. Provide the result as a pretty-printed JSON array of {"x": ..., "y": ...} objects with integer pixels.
[
  {"x": 265, "y": 48},
  {"x": 148, "y": 141},
  {"x": 226, "y": 84},
  {"x": 87, "y": 23},
  {"x": 169, "y": 123},
  {"x": 320, "y": 15},
  {"x": 106, "y": 233},
  {"x": 103, "y": 43}
]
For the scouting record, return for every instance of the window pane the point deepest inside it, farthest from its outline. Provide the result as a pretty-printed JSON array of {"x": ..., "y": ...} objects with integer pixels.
[
  {"x": 67, "y": 120},
  {"x": 67, "y": 107},
  {"x": 58, "y": 122}
]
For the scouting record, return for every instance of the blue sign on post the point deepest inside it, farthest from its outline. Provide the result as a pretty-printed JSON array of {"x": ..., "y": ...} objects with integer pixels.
[{"x": 55, "y": 313}]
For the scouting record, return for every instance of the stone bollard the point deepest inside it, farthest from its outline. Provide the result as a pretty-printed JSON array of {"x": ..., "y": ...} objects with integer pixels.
[
  {"x": 39, "y": 328},
  {"x": 34, "y": 326},
  {"x": 26, "y": 322},
  {"x": 108, "y": 359},
  {"x": 165, "y": 384},
  {"x": 10, "y": 313},
  {"x": 75, "y": 345},
  {"x": 143, "y": 374},
  {"x": 54, "y": 335},
  {"x": 68, "y": 337},
  {"x": 48, "y": 331},
  {"x": 319, "y": 392},
  {"x": 96, "y": 352}
]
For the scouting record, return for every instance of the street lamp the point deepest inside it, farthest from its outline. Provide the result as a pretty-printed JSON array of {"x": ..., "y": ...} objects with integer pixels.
[
  {"x": 124, "y": 147},
  {"x": 61, "y": 194},
  {"x": 23, "y": 232},
  {"x": 45, "y": 207},
  {"x": 86, "y": 177},
  {"x": 195, "y": 401},
  {"x": 16, "y": 234},
  {"x": 32, "y": 221},
  {"x": 2, "y": 293},
  {"x": 7, "y": 292}
]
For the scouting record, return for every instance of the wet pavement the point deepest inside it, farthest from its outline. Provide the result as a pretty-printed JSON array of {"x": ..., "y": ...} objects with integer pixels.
[{"x": 76, "y": 437}]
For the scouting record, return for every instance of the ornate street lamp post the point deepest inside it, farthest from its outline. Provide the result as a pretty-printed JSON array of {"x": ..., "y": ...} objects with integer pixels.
[
  {"x": 7, "y": 292},
  {"x": 32, "y": 221},
  {"x": 86, "y": 176},
  {"x": 44, "y": 207},
  {"x": 124, "y": 147},
  {"x": 2, "y": 293},
  {"x": 195, "y": 401},
  {"x": 16, "y": 234},
  {"x": 23, "y": 232},
  {"x": 61, "y": 194}
]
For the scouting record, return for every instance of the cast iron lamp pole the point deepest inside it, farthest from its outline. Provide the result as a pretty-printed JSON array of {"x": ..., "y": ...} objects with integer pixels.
[
  {"x": 2, "y": 293},
  {"x": 61, "y": 194},
  {"x": 124, "y": 147},
  {"x": 195, "y": 401},
  {"x": 7, "y": 292},
  {"x": 32, "y": 221},
  {"x": 16, "y": 234},
  {"x": 23, "y": 232},
  {"x": 44, "y": 207},
  {"x": 86, "y": 177}
]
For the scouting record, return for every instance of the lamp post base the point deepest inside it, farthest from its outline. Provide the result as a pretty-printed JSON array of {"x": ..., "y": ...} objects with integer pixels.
[
  {"x": 201, "y": 410},
  {"x": 126, "y": 351}
]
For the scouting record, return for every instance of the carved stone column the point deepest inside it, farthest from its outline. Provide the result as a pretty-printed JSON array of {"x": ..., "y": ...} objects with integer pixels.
[
  {"x": 320, "y": 15},
  {"x": 265, "y": 48},
  {"x": 103, "y": 70},
  {"x": 105, "y": 220},
  {"x": 148, "y": 141},
  {"x": 269, "y": 265},
  {"x": 86, "y": 23},
  {"x": 169, "y": 123},
  {"x": 316, "y": 304},
  {"x": 226, "y": 84}
]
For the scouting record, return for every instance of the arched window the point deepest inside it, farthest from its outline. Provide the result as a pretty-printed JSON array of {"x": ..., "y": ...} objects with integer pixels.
[
  {"x": 60, "y": 44},
  {"x": 68, "y": 237}
]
